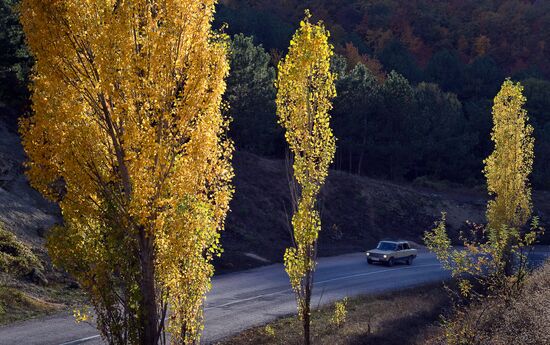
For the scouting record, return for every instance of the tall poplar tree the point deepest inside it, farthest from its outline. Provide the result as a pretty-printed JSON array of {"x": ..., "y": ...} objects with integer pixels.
[
  {"x": 305, "y": 89},
  {"x": 508, "y": 167},
  {"x": 507, "y": 171},
  {"x": 128, "y": 137},
  {"x": 493, "y": 257}
]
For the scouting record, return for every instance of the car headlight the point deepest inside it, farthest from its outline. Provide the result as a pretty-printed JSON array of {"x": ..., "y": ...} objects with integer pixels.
[
  {"x": 385, "y": 256},
  {"x": 368, "y": 254}
]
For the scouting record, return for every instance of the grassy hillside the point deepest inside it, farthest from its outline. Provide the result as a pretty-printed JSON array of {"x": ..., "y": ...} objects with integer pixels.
[{"x": 508, "y": 317}]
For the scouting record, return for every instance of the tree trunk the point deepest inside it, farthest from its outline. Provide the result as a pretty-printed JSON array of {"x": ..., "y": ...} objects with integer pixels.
[
  {"x": 306, "y": 311},
  {"x": 360, "y": 163},
  {"x": 350, "y": 162},
  {"x": 508, "y": 258},
  {"x": 308, "y": 287},
  {"x": 307, "y": 321},
  {"x": 362, "y": 154},
  {"x": 148, "y": 293}
]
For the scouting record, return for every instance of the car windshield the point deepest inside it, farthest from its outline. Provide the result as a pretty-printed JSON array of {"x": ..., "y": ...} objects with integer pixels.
[{"x": 386, "y": 246}]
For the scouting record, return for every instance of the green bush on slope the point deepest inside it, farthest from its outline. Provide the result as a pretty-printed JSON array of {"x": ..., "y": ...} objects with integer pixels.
[{"x": 16, "y": 258}]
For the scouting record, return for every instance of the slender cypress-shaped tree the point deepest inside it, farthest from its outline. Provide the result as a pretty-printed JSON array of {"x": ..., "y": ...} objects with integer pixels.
[
  {"x": 305, "y": 89},
  {"x": 508, "y": 167}
]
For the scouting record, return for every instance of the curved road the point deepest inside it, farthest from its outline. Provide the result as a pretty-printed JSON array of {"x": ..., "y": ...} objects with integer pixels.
[{"x": 249, "y": 298}]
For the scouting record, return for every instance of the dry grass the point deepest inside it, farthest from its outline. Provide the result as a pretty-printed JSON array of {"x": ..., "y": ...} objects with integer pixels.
[
  {"x": 18, "y": 305},
  {"x": 27, "y": 289},
  {"x": 398, "y": 318},
  {"x": 527, "y": 320},
  {"x": 503, "y": 320},
  {"x": 20, "y": 300}
]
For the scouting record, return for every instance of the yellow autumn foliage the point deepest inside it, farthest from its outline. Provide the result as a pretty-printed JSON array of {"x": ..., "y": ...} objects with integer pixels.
[
  {"x": 127, "y": 134},
  {"x": 305, "y": 87},
  {"x": 508, "y": 167},
  {"x": 491, "y": 250}
]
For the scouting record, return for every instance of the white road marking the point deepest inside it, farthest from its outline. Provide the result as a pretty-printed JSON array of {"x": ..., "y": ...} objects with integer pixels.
[
  {"x": 371, "y": 273},
  {"x": 78, "y": 341}
]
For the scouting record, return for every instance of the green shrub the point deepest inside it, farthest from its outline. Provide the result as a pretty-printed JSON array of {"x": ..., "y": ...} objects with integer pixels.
[{"x": 16, "y": 258}]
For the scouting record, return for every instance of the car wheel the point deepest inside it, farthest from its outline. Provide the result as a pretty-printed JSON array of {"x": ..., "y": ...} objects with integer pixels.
[
  {"x": 409, "y": 260},
  {"x": 390, "y": 262}
]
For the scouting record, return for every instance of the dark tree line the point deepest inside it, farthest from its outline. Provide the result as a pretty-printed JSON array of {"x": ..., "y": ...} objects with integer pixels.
[
  {"x": 397, "y": 130},
  {"x": 15, "y": 64},
  {"x": 392, "y": 128}
]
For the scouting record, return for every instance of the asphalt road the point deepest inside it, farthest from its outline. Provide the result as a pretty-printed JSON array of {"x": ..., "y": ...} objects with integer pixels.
[{"x": 248, "y": 298}]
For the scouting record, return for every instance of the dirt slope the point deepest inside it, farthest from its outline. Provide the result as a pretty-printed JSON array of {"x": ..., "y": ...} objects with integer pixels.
[
  {"x": 22, "y": 209},
  {"x": 356, "y": 213}
]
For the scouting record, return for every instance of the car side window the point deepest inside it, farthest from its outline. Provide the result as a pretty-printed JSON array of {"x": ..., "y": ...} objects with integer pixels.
[
  {"x": 406, "y": 246},
  {"x": 400, "y": 247}
]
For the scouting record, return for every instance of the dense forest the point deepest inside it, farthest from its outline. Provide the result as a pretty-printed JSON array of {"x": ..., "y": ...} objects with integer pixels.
[{"x": 415, "y": 80}]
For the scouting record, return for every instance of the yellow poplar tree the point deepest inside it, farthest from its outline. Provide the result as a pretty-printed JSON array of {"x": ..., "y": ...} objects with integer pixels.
[
  {"x": 494, "y": 256},
  {"x": 508, "y": 167},
  {"x": 507, "y": 171},
  {"x": 127, "y": 135},
  {"x": 305, "y": 90}
]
